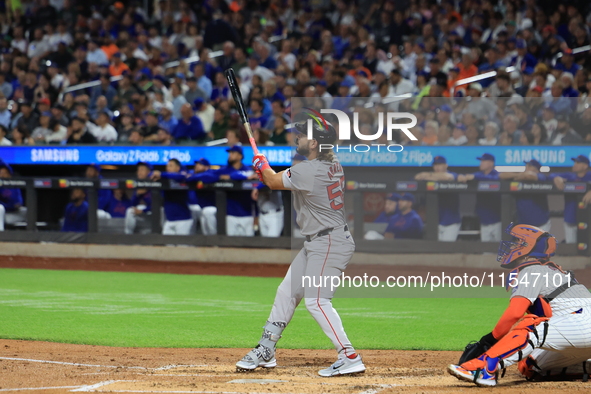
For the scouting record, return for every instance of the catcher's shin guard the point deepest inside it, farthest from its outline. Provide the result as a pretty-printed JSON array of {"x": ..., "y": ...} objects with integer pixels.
[
  {"x": 512, "y": 347},
  {"x": 263, "y": 355}
]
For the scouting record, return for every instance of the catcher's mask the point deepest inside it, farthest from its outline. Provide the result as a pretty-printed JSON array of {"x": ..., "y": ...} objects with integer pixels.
[
  {"x": 527, "y": 241},
  {"x": 322, "y": 130}
]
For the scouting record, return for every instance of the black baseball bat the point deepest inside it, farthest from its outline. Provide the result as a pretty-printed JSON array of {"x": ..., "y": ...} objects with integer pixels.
[{"x": 235, "y": 89}]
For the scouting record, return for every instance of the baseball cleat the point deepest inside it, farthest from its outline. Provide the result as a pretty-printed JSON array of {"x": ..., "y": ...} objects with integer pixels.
[
  {"x": 344, "y": 366},
  {"x": 480, "y": 377},
  {"x": 260, "y": 356}
]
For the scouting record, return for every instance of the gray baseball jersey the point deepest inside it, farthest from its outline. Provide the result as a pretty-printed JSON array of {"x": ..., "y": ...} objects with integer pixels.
[
  {"x": 541, "y": 280},
  {"x": 318, "y": 188}
]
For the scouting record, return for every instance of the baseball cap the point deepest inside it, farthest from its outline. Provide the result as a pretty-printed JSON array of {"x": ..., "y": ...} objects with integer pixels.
[
  {"x": 44, "y": 100},
  {"x": 534, "y": 162},
  {"x": 439, "y": 160},
  {"x": 393, "y": 196},
  {"x": 145, "y": 163},
  {"x": 568, "y": 51},
  {"x": 455, "y": 69},
  {"x": 180, "y": 75},
  {"x": 460, "y": 126},
  {"x": 236, "y": 148},
  {"x": 581, "y": 159},
  {"x": 528, "y": 71},
  {"x": 562, "y": 117},
  {"x": 486, "y": 156},
  {"x": 152, "y": 112},
  {"x": 197, "y": 102},
  {"x": 362, "y": 73},
  {"x": 521, "y": 44},
  {"x": 346, "y": 83},
  {"x": 22, "y": 102},
  {"x": 445, "y": 108},
  {"x": 117, "y": 54},
  {"x": 538, "y": 89},
  {"x": 203, "y": 161},
  {"x": 95, "y": 166},
  {"x": 476, "y": 86},
  {"x": 407, "y": 197},
  {"x": 46, "y": 113},
  {"x": 7, "y": 166},
  {"x": 321, "y": 82}
]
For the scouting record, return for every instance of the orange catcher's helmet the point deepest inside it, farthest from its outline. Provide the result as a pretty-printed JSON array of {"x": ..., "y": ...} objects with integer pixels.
[{"x": 527, "y": 241}]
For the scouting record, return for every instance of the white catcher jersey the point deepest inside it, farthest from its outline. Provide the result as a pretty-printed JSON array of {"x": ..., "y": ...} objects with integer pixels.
[
  {"x": 318, "y": 188},
  {"x": 536, "y": 280}
]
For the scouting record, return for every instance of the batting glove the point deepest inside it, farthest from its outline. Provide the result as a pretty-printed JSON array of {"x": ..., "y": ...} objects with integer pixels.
[
  {"x": 260, "y": 163},
  {"x": 259, "y": 174}
]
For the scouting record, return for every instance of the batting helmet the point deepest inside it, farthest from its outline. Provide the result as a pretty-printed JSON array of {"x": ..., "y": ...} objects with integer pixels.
[
  {"x": 527, "y": 241},
  {"x": 322, "y": 130}
]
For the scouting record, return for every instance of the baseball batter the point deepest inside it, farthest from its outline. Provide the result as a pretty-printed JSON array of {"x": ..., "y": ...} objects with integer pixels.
[
  {"x": 547, "y": 324},
  {"x": 317, "y": 186}
]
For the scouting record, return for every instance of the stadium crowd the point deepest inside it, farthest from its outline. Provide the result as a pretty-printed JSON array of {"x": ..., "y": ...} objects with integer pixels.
[{"x": 156, "y": 74}]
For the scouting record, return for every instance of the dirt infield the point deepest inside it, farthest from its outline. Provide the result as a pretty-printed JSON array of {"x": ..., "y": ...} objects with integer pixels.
[{"x": 59, "y": 368}]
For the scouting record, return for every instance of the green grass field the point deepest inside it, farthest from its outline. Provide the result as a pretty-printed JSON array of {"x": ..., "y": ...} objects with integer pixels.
[{"x": 164, "y": 310}]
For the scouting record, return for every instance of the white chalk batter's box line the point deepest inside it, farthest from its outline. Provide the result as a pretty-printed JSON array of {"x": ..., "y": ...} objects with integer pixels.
[
  {"x": 101, "y": 386},
  {"x": 67, "y": 363}
]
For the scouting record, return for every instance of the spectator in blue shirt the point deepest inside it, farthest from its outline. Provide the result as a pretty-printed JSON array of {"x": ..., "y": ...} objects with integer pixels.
[
  {"x": 449, "y": 203},
  {"x": 567, "y": 62},
  {"x": 488, "y": 205},
  {"x": 141, "y": 201},
  {"x": 5, "y": 114},
  {"x": 11, "y": 200},
  {"x": 203, "y": 82},
  {"x": 104, "y": 89},
  {"x": 580, "y": 173},
  {"x": 406, "y": 224},
  {"x": 76, "y": 216},
  {"x": 257, "y": 119},
  {"x": 179, "y": 220},
  {"x": 240, "y": 220},
  {"x": 189, "y": 126}
]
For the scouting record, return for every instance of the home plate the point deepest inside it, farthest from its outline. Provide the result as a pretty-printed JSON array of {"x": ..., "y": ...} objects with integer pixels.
[{"x": 257, "y": 381}]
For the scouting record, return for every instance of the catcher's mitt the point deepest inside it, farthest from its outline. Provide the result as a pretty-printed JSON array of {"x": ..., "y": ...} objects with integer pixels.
[{"x": 475, "y": 348}]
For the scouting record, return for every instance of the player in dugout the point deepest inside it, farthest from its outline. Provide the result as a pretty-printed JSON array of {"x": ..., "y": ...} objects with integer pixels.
[
  {"x": 176, "y": 202},
  {"x": 11, "y": 200},
  {"x": 76, "y": 214},
  {"x": 580, "y": 173},
  {"x": 93, "y": 171},
  {"x": 406, "y": 224},
  {"x": 141, "y": 201},
  {"x": 390, "y": 210},
  {"x": 450, "y": 220},
  {"x": 199, "y": 199},
  {"x": 239, "y": 220},
  {"x": 488, "y": 205},
  {"x": 532, "y": 208}
]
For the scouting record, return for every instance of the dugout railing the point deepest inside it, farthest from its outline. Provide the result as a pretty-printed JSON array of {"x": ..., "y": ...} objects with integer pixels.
[{"x": 426, "y": 190}]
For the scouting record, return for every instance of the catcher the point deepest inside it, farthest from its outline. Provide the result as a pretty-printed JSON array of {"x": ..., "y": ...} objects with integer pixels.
[{"x": 546, "y": 329}]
